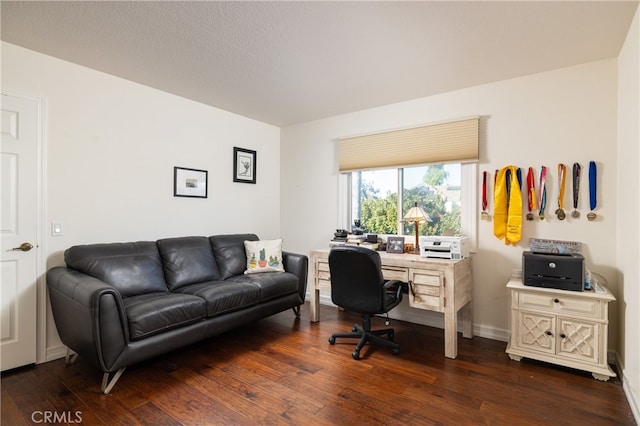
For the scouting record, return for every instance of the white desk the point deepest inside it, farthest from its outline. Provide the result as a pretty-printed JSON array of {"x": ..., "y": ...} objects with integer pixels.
[{"x": 438, "y": 285}]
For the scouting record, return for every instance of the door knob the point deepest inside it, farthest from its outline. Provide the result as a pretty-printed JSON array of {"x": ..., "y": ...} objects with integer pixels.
[{"x": 23, "y": 247}]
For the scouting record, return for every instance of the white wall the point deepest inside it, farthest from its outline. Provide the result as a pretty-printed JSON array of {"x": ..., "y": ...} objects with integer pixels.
[
  {"x": 628, "y": 235},
  {"x": 111, "y": 148},
  {"x": 112, "y": 145},
  {"x": 566, "y": 115}
]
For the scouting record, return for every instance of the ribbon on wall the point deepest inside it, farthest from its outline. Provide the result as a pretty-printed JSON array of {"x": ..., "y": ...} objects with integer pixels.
[{"x": 507, "y": 206}]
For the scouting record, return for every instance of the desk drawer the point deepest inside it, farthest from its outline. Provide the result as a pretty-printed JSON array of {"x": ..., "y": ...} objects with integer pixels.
[
  {"x": 324, "y": 284},
  {"x": 323, "y": 277},
  {"x": 426, "y": 290},
  {"x": 322, "y": 266},
  {"x": 395, "y": 273},
  {"x": 561, "y": 304},
  {"x": 388, "y": 273}
]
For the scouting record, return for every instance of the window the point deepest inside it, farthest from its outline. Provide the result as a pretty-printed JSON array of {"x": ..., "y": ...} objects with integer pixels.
[
  {"x": 380, "y": 182},
  {"x": 379, "y": 199}
]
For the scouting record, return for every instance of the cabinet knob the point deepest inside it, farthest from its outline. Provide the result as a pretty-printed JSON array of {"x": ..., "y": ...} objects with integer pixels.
[
  {"x": 548, "y": 333},
  {"x": 562, "y": 335},
  {"x": 556, "y": 300}
]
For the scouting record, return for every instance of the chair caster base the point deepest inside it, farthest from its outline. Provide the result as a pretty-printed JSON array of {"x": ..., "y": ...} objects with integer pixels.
[{"x": 366, "y": 335}]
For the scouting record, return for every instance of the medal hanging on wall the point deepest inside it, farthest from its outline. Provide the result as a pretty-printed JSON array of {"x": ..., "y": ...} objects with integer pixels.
[
  {"x": 543, "y": 192},
  {"x": 576, "y": 190},
  {"x": 562, "y": 172},
  {"x": 485, "y": 214},
  {"x": 593, "y": 202},
  {"x": 531, "y": 193}
]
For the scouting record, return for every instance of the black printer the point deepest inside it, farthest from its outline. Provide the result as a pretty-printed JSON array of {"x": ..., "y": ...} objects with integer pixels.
[{"x": 562, "y": 271}]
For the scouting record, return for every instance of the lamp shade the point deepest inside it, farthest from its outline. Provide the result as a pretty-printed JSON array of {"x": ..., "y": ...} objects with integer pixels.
[{"x": 416, "y": 214}]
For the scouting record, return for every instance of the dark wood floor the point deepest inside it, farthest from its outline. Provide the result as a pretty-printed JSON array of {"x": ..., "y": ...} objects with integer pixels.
[{"x": 281, "y": 370}]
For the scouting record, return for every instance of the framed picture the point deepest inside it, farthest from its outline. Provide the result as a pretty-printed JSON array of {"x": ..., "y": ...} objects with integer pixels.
[
  {"x": 189, "y": 182},
  {"x": 395, "y": 245},
  {"x": 244, "y": 165}
]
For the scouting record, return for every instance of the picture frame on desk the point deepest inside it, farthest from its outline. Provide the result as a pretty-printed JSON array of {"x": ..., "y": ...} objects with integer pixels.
[{"x": 395, "y": 245}]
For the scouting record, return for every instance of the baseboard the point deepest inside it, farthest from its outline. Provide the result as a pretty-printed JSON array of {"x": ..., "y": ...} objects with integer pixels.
[
  {"x": 55, "y": 352},
  {"x": 632, "y": 398}
]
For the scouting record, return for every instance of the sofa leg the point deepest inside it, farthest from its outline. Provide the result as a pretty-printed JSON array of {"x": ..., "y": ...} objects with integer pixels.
[
  {"x": 108, "y": 385},
  {"x": 296, "y": 310},
  {"x": 70, "y": 357}
]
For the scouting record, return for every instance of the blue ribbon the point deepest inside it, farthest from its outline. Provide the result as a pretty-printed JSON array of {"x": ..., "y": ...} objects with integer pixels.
[
  {"x": 543, "y": 190},
  {"x": 593, "y": 176}
]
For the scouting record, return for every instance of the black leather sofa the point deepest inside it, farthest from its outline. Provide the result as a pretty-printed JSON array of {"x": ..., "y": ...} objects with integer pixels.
[{"x": 118, "y": 304}]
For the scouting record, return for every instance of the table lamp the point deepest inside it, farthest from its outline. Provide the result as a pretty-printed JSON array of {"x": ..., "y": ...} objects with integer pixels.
[{"x": 417, "y": 215}]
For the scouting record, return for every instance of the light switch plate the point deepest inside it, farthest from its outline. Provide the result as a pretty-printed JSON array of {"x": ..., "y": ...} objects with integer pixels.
[{"x": 56, "y": 229}]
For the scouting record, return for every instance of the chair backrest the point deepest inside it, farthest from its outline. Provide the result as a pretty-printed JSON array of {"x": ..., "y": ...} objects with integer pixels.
[{"x": 356, "y": 279}]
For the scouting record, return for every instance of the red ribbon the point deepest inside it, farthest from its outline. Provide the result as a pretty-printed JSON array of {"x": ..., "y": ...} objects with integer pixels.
[
  {"x": 484, "y": 191},
  {"x": 531, "y": 190}
]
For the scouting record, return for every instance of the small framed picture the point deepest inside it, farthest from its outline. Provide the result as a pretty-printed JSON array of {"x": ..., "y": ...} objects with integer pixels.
[
  {"x": 395, "y": 245},
  {"x": 189, "y": 182},
  {"x": 244, "y": 165}
]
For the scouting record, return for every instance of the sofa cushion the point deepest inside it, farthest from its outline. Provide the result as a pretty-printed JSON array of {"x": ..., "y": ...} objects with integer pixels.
[
  {"x": 271, "y": 285},
  {"x": 132, "y": 268},
  {"x": 187, "y": 260},
  {"x": 263, "y": 256},
  {"x": 154, "y": 313},
  {"x": 230, "y": 254},
  {"x": 224, "y": 296}
]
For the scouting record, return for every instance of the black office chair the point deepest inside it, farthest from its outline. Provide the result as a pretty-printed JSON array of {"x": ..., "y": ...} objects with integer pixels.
[{"x": 357, "y": 285}]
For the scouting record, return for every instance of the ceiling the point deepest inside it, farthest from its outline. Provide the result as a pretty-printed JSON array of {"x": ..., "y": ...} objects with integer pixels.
[{"x": 291, "y": 62}]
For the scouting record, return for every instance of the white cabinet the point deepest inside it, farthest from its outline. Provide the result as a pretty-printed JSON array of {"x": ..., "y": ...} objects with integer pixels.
[{"x": 567, "y": 328}]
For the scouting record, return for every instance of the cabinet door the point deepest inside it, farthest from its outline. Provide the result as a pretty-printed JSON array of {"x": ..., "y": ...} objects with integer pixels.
[
  {"x": 578, "y": 340},
  {"x": 536, "y": 332}
]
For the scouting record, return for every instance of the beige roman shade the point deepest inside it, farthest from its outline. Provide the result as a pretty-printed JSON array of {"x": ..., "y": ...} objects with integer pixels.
[{"x": 453, "y": 141}]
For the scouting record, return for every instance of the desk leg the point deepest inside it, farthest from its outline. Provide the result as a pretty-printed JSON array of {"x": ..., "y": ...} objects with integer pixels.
[
  {"x": 467, "y": 320},
  {"x": 315, "y": 305},
  {"x": 450, "y": 333}
]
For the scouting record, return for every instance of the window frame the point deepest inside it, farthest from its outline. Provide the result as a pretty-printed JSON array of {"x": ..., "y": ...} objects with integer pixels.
[{"x": 469, "y": 201}]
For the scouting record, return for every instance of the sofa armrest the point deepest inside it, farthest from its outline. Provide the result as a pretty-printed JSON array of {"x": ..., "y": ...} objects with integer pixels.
[
  {"x": 297, "y": 264},
  {"x": 89, "y": 315}
]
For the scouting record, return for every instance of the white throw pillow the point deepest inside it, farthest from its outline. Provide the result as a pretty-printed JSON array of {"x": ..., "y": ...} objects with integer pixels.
[{"x": 264, "y": 256}]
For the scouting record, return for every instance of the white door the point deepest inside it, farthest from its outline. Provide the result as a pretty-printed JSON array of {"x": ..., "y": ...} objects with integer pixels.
[{"x": 18, "y": 174}]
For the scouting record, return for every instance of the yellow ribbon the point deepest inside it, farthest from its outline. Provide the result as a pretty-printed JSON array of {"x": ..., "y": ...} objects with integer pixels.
[{"x": 507, "y": 218}]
